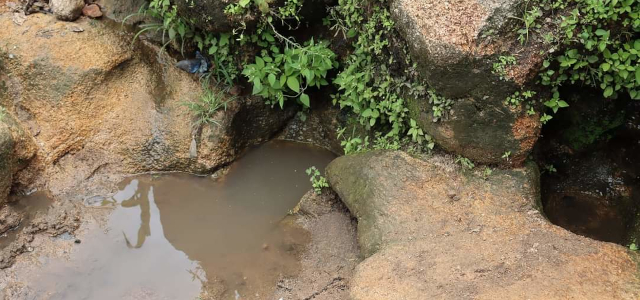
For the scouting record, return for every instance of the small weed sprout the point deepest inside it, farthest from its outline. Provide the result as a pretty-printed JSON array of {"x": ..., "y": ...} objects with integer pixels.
[
  {"x": 633, "y": 246},
  {"x": 317, "y": 180},
  {"x": 486, "y": 173},
  {"x": 529, "y": 17},
  {"x": 551, "y": 169},
  {"x": 210, "y": 101},
  {"x": 506, "y": 156},
  {"x": 2, "y": 112},
  {"x": 465, "y": 162},
  {"x": 441, "y": 106}
]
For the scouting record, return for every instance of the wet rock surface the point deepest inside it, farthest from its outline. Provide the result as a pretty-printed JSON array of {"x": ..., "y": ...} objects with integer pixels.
[
  {"x": 16, "y": 149},
  {"x": 455, "y": 46},
  {"x": 330, "y": 258},
  {"x": 84, "y": 109},
  {"x": 492, "y": 243},
  {"x": 99, "y": 109},
  {"x": 63, "y": 217},
  {"x": 591, "y": 184},
  {"x": 317, "y": 127}
]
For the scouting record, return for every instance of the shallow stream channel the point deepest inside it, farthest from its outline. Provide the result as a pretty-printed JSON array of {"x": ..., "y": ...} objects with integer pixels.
[{"x": 172, "y": 236}]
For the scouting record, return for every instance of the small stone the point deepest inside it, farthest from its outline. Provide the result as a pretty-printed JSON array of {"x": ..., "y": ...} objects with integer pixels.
[
  {"x": 456, "y": 198},
  {"x": 92, "y": 11},
  {"x": 77, "y": 241},
  {"x": 76, "y": 29},
  {"x": 235, "y": 90},
  {"x": 265, "y": 246},
  {"x": 451, "y": 194},
  {"x": 67, "y": 10}
]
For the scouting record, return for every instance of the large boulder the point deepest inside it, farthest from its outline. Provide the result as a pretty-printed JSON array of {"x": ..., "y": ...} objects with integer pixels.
[
  {"x": 455, "y": 46},
  {"x": 428, "y": 230},
  {"x": 100, "y": 109}
]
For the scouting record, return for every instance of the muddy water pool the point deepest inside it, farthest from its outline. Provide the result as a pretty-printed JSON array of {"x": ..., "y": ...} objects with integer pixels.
[{"x": 173, "y": 236}]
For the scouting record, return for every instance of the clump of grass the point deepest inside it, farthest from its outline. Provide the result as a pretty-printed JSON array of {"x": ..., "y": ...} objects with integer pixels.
[{"x": 208, "y": 104}]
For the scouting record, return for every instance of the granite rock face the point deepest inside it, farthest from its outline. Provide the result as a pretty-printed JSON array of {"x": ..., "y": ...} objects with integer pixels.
[{"x": 456, "y": 45}]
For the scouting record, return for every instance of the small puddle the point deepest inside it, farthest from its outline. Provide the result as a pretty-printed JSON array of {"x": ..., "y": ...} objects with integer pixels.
[
  {"x": 27, "y": 206},
  {"x": 172, "y": 235}
]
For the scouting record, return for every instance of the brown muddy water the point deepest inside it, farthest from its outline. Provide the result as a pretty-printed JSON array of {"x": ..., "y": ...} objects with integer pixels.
[{"x": 173, "y": 236}]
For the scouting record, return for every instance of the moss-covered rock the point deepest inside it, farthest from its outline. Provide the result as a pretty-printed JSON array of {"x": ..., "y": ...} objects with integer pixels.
[
  {"x": 429, "y": 230},
  {"x": 456, "y": 46}
]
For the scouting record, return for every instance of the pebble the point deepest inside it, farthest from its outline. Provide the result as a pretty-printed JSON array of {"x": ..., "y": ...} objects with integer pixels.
[{"x": 92, "y": 11}]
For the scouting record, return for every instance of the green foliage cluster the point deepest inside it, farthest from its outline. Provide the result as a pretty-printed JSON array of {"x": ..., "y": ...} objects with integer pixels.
[
  {"x": 352, "y": 144},
  {"x": 500, "y": 67},
  {"x": 280, "y": 76},
  {"x": 355, "y": 144},
  {"x": 439, "y": 105},
  {"x": 602, "y": 39},
  {"x": 208, "y": 104},
  {"x": 529, "y": 17},
  {"x": 522, "y": 97},
  {"x": 465, "y": 162},
  {"x": 317, "y": 180},
  {"x": 373, "y": 83},
  {"x": 181, "y": 31},
  {"x": 600, "y": 42},
  {"x": 367, "y": 85}
]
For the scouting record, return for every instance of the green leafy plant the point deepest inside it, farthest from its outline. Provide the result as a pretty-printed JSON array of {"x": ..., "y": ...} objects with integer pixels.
[
  {"x": 208, "y": 104},
  {"x": 353, "y": 144},
  {"x": 280, "y": 76},
  {"x": 600, "y": 48},
  {"x": 465, "y": 162},
  {"x": 317, "y": 180},
  {"x": 440, "y": 105},
  {"x": 486, "y": 173},
  {"x": 502, "y": 65},
  {"x": 382, "y": 142},
  {"x": 529, "y": 17},
  {"x": 519, "y": 97},
  {"x": 507, "y": 155},
  {"x": 180, "y": 31},
  {"x": 368, "y": 85},
  {"x": 238, "y": 8},
  {"x": 550, "y": 168}
]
